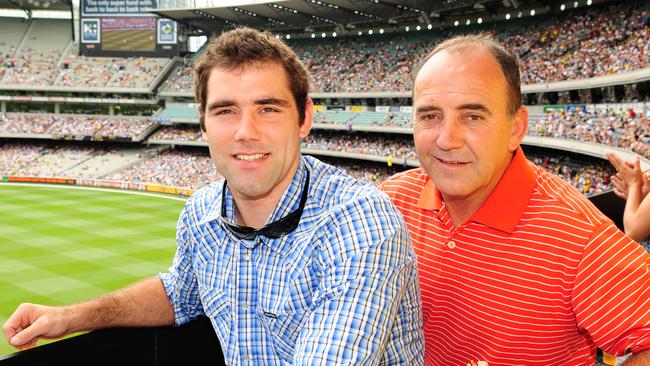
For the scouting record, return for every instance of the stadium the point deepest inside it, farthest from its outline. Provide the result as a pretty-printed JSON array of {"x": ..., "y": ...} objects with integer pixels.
[{"x": 100, "y": 142}]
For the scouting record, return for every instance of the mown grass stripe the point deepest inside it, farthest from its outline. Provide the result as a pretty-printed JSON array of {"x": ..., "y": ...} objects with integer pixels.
[{"x": 68, "y": 244}]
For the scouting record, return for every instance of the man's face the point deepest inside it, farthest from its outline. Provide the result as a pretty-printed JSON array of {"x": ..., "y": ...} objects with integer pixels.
[
  {"x": 252, "y": 128},
  {"x": 463, "y": 135}
]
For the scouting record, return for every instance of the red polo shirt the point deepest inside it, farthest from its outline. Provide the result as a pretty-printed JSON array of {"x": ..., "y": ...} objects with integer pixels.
[{"x": 537, "y": 276}]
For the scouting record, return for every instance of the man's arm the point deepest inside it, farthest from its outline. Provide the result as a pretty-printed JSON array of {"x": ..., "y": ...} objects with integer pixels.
[
  {"x": 640, "y": 359},
  {"x": 142, "y": 304},
  {"x": 367, "y": 309},
  {"x": 611, "y": 292}
]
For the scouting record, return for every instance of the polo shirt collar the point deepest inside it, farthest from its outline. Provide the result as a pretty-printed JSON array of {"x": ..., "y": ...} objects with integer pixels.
[
  {"x": 513, "y": 191},
  {"x": 430, "y": 198}
]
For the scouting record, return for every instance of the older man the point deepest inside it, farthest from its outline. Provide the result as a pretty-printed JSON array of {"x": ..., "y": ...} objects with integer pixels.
[{"x": 516, "y": 267}]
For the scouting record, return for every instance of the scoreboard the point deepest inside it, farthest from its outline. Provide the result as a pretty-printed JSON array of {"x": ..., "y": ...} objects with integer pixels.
[{"x": 125, "y": 28}]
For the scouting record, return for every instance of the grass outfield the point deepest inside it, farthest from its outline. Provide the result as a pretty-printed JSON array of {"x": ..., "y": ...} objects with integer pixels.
[{"x": 60, "y": 245}]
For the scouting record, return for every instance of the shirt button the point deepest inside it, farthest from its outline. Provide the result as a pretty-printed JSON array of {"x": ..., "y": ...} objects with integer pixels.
[
  {"x": 451, "y": 244},
  {"x": 247, "y": 257},
  {"x": 244, "y": 306},
  {"x": 247, "y": 358}
]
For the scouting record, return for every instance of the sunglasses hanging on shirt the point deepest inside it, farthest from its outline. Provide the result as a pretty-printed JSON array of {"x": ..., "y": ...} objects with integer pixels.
[{"x": 273, "y": 230}]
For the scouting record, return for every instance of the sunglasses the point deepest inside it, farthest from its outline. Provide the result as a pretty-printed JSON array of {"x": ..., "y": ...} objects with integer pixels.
[{"x": 274, "y": 230}]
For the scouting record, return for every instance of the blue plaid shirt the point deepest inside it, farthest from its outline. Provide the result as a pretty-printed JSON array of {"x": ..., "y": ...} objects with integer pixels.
[{"x": 342, "y": 289}]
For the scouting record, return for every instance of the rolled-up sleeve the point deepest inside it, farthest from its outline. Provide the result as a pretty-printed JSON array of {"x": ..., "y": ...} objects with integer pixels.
[{"x": 180, "y": 280}]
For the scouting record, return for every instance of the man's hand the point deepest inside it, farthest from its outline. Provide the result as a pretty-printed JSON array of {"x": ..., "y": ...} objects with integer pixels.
[
  {"x": 31, "y": 322},
  {"x": 143, "y": 304}
]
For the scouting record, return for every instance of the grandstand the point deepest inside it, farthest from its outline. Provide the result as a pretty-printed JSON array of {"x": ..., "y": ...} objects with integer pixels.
[
  {"x": 360, "y": 85},
  {"x": 128, "y": 119}
]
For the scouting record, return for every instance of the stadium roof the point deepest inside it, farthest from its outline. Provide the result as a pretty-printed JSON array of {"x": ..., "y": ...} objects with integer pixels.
[
  {"x": 341, "y": 16},
  {"x": 305, "y": 17}
]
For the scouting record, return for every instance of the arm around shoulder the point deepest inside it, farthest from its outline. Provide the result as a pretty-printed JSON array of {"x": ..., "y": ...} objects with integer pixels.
[
  {"x": 640, "y": 359},
  {"x": 368, "y": 307}
]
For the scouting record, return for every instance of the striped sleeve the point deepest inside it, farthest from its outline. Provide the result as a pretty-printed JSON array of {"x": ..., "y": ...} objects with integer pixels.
[
  {"x": 611, "y": 295},
  {"x": 179, "y": 281}
]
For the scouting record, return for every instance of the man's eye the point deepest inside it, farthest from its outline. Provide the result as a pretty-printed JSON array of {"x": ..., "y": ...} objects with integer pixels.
[{"x": 429, "y": 117}]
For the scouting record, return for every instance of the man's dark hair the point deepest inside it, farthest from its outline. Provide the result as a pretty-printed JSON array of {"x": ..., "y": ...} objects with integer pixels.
[{"x": 241, "y": 48}]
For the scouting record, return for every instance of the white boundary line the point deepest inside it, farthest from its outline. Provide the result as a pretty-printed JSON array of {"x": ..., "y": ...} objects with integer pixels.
[{"x": 113, "y": 190}]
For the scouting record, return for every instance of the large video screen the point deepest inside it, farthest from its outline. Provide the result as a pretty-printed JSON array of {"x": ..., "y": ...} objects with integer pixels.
[{"x": 128, "y": 34}]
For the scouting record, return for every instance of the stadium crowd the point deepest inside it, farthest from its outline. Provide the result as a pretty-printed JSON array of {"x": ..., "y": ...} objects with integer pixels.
[
  {"x": 187, "y": 169},
  {"x": 42, "y": 67},
  {"x": 178, "y": 133},
  {"x": 602, "y": 41},
  {"x": 182, "y": 80},
  {"x": 349, "y": 118},
  {"x": 32, "y": 67},
  {"x": 194, "y": 169},
  {"x": 25, "y": 123},
  {"x": 622, "y": 129},
  {"x": 396, "y": 146},
  {"x": 599, "y": 43},
  {"x": 48, "y": 160},
  {"x": 73, "y": 125},
  {"x": 625, "y": 129},
  {"x": 591, "y": 178}
]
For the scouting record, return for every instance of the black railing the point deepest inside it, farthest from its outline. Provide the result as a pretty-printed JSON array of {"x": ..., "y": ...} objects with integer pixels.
[
  {"x": 192, "y": 343},
  {"x": 611, "y": 205}
]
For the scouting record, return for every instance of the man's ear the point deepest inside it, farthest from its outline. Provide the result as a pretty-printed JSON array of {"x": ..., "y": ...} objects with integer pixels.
[
  {"x": 308, "y": 122},
  {"x": 204, "y": 132},
  {"x": 519, "y": 128}
]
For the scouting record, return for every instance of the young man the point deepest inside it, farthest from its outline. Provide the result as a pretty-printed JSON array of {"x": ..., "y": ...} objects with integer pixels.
[
  {"x": 516, "y": 267},
  {"x": 292, "y": 260}
]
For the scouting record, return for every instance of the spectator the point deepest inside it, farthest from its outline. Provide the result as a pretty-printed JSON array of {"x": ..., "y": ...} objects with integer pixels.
[
  {"x": 352, "y": 290},
  {"x": 633, "y": 185},
  {"x": 516, "y": 266}
]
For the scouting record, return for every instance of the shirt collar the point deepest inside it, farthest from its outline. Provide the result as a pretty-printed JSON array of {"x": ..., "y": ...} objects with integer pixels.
[
  {"x": 430, "y": 198},
  {"x": 291, "y": 198},
  {"x": 289, "y": 201},
  {"x": 513, "y": 191}
]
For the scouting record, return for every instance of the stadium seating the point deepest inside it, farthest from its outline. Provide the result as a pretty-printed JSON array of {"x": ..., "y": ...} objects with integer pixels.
[
  {"x": 611, "y": 39},
  {"x": 606, "y": 40},
  {"x": 41, "y": 52},
  {"x": 77, "y": 126},
  {"x": 173, "y": 169},
  {"x": 602, "y": 41},
  {"x": 613, "y": 128},
  {"x": 41, "y": 44},
  {"x": 181, "y": 81}
]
